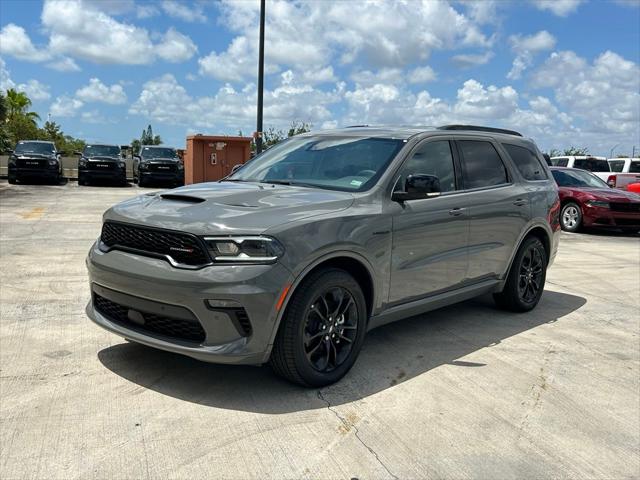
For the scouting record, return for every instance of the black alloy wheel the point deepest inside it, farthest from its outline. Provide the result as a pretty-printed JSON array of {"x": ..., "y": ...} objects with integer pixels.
[{"x": 530, "y": 275}]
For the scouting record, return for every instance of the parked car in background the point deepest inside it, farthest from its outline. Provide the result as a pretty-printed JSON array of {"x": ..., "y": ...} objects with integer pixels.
[
  {"x": 295, "y": 256},
  {"x": 101, "y": 162},
  {"x": 624, "y": 171},
  {"x": 596, "y": 165},
  {"x": 157, "y": 164},
  {"x": 587, "y": 201},
  {"x": 34, "y": 159}
]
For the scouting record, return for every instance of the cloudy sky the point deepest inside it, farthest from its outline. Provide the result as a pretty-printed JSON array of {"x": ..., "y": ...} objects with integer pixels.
[{"x": 565, "y": 72}]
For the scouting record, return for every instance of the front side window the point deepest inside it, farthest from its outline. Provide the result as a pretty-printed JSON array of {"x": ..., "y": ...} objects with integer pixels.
[
  {"x": 431, "y": 158},
  {"x": 35, "y": 147},
  {"x": 616, "y": 165},
  {"x": 482, "y": 166},
  {"x": 335, "y": 163},
  {"x": 592, "y": 164},
  {"x": 526, "y": 162}
]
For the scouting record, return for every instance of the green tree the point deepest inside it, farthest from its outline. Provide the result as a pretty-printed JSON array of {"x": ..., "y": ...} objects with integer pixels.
[
  {"x": 4, "y": 135},
  {"x": 297, "y": 128},
  {"x": 18, "y": 103},
  {"x": 147, "y": 138},
  {"x": 573, "y": 151}
]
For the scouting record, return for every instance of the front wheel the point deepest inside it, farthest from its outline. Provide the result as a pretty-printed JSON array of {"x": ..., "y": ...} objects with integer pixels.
[
  {"x": 571, "y": 217},
  {"x": 12, "y": 179},
  {"x": 322, "y": 330},
  {"x": 525, "y": 282}
]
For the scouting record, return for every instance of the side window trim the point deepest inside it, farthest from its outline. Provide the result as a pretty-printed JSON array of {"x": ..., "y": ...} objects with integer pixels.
[{"x": 507, "y": 168}]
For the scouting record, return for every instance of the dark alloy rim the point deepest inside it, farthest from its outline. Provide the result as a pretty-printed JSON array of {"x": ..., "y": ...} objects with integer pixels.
[
  {"x": 330, "y": 330},
  {"x": 530, "y": 275}
]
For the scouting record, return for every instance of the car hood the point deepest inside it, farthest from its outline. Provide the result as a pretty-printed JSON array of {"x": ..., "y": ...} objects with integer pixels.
[
  {"x": 228, "y": 208},
  {"x": 607, "y": 194},
  {"x": 103, "y": 158}
]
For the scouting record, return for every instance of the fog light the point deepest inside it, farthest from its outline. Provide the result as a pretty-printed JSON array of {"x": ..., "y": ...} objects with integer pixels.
[{"x": 223, "y": 304}]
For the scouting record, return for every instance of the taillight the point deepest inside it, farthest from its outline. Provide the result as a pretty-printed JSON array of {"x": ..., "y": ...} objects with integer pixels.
[{"x": 611, "y": 181}]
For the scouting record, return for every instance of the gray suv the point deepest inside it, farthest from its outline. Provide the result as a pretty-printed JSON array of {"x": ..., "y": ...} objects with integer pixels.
[{"x": 297, "y": 254}]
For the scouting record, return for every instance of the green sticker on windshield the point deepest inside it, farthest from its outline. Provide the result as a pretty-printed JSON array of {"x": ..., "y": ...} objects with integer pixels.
[{"x": 356, "y": 183}]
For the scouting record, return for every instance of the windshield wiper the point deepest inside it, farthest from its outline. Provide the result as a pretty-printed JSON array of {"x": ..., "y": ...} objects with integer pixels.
[{"x": 290, "y": 183}]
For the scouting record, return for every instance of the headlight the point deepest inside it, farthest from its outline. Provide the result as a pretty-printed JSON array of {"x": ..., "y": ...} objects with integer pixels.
[
  {"x": 53, "y": 162},
  {"x": 143, "y": 166},
  {"x": 122, "y": 165},
  {"x": 244, "y": 249},
  {"x": 82, "y": 162},
  {"x": 180, "y": 166},
  {"x": 597, "y": 203}
]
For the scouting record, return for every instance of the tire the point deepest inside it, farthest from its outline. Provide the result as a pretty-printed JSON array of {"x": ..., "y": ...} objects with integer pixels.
[
  {"x": 571, "y": 217},
  {"x": 12, "y": 179},
  {"x": 141, "y": 182},
  {"x": 529, "y": 269},
  {"x": 333, "y": 342}
]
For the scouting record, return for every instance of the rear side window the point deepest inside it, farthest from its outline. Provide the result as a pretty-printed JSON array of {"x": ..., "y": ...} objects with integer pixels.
[
  {"x": 634, "y": 167},
  {"x": 482, "y": 166},
  {"x": 526, "y": 162},
  {"x": 560, "y": 162},
  {"x": 616, "y": 165},
  {"x": 592, "y": 165}
]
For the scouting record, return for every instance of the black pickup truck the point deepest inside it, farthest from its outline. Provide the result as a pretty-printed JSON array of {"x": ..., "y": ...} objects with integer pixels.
[
  {"x": 157, "y": 164},
  {"x": 34, "y": 159},
  {"x": 101, "y": 162}
]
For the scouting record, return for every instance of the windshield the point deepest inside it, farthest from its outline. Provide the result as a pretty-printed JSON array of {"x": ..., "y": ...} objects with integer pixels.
[
  {"x": 592, "y": 164},
  {"x": 34, "y": 147},
  {"x": 337, "y": 163},
  {"x": 101, "y": 151},
  {"x": 577, "y": 178},
  {"x": 634, "y": 167},
  {"x": 154, "y": 152}
]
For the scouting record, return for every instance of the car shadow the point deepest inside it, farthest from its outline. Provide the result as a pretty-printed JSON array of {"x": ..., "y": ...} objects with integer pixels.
[
  {"x": 391, "y": 355},
  {"x": 608, "y": 232}
]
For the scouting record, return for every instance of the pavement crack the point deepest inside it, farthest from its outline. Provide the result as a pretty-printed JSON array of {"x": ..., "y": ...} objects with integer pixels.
[{"x": 348, "y": 425}]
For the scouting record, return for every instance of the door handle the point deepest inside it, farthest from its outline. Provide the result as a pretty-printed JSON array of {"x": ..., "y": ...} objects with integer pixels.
[
  {"x": 456, "y": 212},
  {"x": 521, "y": 202}
]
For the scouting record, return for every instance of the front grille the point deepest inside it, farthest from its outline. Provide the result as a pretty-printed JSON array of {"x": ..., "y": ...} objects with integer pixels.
[
  {"x": 183, "y": 248},
  {"x": 32, "y": 163},
  {"x": 180, "y": 329},
  {"x": 101, "y": 166},
  {"x": 625, "y": 207},
  {"x": 162, "y": 167}
]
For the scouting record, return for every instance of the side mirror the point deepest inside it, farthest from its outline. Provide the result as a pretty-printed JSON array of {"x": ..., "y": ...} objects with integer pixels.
[
  {"x": 9, "y": 151},
  {"x": 77, "y": 153},
  {"x": 236, "y": 167},
  {"x": 417, "y": 187}
]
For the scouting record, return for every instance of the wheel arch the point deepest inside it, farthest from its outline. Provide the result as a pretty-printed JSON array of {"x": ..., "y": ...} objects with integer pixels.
[{"x": 538, "y": 231}]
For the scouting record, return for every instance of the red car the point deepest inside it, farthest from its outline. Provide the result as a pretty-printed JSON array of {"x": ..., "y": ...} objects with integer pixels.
[{"x": 587, "y": 201}]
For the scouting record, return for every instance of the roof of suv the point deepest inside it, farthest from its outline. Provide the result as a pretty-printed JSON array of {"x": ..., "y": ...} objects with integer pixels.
[{"x": 405, "y": 132}]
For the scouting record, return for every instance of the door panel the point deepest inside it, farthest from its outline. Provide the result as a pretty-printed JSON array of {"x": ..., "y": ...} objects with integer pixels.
[{"x": 429, "y": 252}]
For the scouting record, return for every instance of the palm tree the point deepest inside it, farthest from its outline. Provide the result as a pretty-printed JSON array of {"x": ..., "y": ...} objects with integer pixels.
[{"x": 17, "y": 104}]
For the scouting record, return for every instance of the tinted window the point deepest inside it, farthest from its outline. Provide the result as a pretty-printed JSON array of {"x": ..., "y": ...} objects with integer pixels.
[
  {"x": 560, "y": 162},
  {"x": 101, "y": 150},
  {"x": 526, "y": 161},
  {"x": 592, "y": 164},
  {"x": 634, "y": 167},
  {"x": 577, "y": 178},
  {"x": 616, "y": 165},
  {"x": 482, "y": 166},
  {"x": 34, "y": 147},
  {"x": 432, "y": 158},
  {"x": 154, "y": 152}
]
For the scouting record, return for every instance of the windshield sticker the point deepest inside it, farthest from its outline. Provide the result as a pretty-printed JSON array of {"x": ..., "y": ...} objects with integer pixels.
[{"x": 356, "y": 183}]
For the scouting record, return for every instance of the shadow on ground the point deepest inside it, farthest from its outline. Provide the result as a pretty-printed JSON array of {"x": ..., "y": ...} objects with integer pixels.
[{"x": 391, "y": 355}]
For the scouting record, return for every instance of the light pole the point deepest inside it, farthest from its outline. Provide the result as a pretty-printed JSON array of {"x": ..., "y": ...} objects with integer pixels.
[
  {"x": 260, "y": 79},
  {"x": 611, "y": 151}
]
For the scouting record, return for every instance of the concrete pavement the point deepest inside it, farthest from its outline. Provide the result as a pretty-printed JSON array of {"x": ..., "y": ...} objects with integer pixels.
[{"x": 464, "y": 392}]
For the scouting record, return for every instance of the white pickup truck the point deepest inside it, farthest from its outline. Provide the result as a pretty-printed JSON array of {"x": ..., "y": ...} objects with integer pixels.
[
  {"x": 596, "y": 165},
  {"x": 624, "y": 171}
]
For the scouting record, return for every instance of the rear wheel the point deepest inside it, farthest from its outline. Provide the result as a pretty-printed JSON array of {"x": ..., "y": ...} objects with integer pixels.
[
  {"x": 322, "y": 331},
  {"x": 525, "y": 282},
  {"x": 571, "y": 217}
]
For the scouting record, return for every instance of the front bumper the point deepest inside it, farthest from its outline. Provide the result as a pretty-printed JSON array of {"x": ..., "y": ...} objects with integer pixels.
[
  {"x": 116, "y": 174},
  {"x": 156, "y": 176},
  {"x": 24, "y": 172},
  {"x": 605, "y": 217},
  {"x": 153, "y": 286}
]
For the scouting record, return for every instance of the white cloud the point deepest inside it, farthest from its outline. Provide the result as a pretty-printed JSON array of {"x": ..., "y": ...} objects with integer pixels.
[
  {"x": 97, "y": 91},
  {"x": 561, "y": 8},
  {"x": 472, "y": 60},
  {"x": 176, "y": 47},
  {"x": 188, "y": 12},
  {"x": 5, "y": 77},
  {"x": 14, "y": 41},
  {"x": 238, "y": 62},
  {"x": 146, "y": 11},
  {"x": 64, "y": 64},
  {"x": 382, "y": 76},
  {"x": 35, "y": 90},
  {"x": 526, "y": 47},
  {"x": 65, "y": 106},
  {"x": 421, "y": 75}
]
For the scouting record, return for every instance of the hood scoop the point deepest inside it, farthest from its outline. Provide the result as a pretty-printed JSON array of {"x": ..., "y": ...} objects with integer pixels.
[{"x": 182, "y": 198}]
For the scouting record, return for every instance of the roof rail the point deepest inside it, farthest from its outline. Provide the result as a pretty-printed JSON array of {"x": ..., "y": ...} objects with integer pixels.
[{"x": 479, "y": 129}]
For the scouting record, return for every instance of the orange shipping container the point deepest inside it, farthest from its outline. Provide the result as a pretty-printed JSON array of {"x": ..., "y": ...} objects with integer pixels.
[{"x": 210, "y": 158}]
